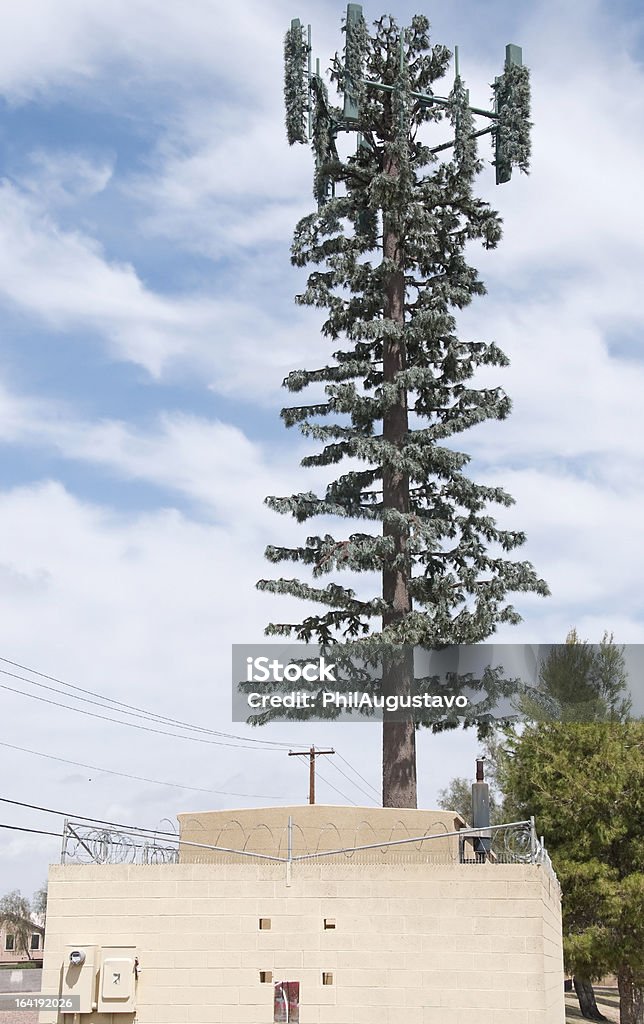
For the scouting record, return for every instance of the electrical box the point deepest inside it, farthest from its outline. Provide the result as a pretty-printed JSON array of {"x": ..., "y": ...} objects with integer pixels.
[
  {"x": 481, "y": 817},
  {"x": 117, "y": 985},
  {"x": 79, "y": 973}
]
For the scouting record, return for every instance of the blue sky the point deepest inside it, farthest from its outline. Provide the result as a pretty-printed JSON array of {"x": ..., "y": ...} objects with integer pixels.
[{"x": 147, "y": 198}]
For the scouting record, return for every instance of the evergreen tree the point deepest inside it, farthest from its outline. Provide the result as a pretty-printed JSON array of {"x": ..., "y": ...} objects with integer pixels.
[
  {"x": 387, "y": 248},
  {"x": 585, "y": 682},
  {"x": 584, "y": 782}
]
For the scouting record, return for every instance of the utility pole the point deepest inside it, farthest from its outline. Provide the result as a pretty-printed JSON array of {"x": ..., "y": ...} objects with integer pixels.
[{"x": 311, "y": 754}]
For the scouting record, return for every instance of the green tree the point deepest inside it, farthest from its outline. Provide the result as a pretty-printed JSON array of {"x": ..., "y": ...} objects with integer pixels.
[
  {"x": 584, "y": 782},
  {"x": 588, "y": 682},
  {"x": 400, "y": 386},
  {"x": 22, "y": 917}
]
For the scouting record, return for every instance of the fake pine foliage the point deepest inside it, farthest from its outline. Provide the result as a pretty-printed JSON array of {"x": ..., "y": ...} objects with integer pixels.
[
  {"x": 513, "y": 126},
  {"x": 387, "y": 259},
  {"x": 294, "y": 92}
]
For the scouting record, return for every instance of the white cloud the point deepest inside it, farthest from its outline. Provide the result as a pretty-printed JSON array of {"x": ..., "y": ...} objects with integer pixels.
[
  {"x": 572, "y": 399},
  {"x": 63, "y": 279},
  {"x": 61, "y": 177},
  {"x": 219, "y": 188},
  {"x": 584, "y": 538},
  {"x": 47, "y": 46},
  {"x": 213, "y": 465}
]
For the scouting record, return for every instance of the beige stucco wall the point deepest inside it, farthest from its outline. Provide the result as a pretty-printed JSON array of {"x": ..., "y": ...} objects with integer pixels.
[
  {"x": 317, "y": 828},
  {"x": 420, "y": 942}
]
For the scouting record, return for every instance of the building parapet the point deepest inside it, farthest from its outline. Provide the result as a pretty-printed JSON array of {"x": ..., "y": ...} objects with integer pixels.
[{"x": 513, "y": 842}]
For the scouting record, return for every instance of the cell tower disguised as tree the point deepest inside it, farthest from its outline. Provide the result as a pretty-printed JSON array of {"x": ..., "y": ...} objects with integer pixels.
[{"x": 387, "y": 250}]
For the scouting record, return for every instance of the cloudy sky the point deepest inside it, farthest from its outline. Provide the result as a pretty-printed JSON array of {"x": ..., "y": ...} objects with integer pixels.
[{"x": 147, "y": 197}]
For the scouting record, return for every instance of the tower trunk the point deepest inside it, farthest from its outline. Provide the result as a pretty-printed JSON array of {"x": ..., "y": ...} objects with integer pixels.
[{"x": 398, "y": 730}]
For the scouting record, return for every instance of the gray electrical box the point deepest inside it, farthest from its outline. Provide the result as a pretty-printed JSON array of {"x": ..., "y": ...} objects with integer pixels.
[{"x": 481, "y": 817}]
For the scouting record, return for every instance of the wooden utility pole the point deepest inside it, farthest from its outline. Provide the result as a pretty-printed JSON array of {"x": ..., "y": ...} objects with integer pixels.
[{"x": 311, "y": 754}]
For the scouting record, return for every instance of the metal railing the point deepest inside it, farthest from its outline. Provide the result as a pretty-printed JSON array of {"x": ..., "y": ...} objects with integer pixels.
[
  {"x": 89, "y": 844},
  {"x": 514, "y": 842}
]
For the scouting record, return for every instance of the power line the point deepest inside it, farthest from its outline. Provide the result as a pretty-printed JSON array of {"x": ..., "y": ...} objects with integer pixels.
[
  {"x": 130, "y": 846},
  {"x": 134, "y": 725},
  {"x": 37, "y": 831},
  {"x": 106, "y": 705},
  {"x": 85, "y": 817},
  {"x": 132, "y": 710},
  {"x": 377, "y": 792},
  {"x": 61, "y": 835},
  {"x": 339, "y": 792},
  {"x": 349, "y": 779},
  {"x": 134, "y": 830},
  {"x": 242, "y": 742},
  {"x": 138, "y": 778}
]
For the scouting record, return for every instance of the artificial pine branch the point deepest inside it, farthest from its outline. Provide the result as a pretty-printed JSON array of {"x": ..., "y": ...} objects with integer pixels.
[
  {"x": 434, "y": 211},
  {"x": 387, "y": 260}
]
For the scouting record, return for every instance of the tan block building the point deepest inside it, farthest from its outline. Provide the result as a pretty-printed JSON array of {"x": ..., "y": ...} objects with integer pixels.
[
  {"x": 412, "y": 931},
  {"x": 10, "y": 950}
]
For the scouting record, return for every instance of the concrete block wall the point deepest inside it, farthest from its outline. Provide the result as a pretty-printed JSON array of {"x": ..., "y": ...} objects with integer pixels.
[
  {"x": 423, "y": 943},
  {"x": 552, "y": 945}
]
